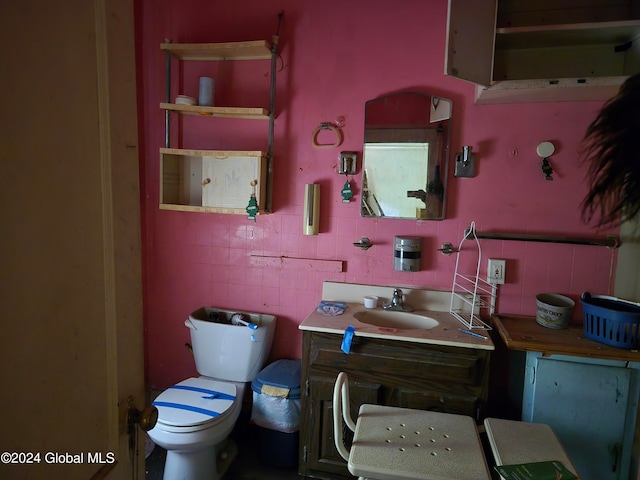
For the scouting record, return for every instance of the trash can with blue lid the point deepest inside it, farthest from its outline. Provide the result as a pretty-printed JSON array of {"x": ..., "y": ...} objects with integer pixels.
[{"x": 276, "y": 412}]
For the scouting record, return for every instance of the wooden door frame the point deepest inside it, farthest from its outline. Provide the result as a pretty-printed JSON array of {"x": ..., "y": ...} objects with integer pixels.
[{"x": 118, "y": 129}]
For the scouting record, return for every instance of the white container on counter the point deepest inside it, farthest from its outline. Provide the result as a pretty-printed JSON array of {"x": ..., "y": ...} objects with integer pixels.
[{"x": 553, "y": 310}]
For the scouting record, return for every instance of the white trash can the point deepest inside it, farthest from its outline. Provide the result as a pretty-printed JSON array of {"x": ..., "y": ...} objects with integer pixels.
[{"x": 276, "y": 412}]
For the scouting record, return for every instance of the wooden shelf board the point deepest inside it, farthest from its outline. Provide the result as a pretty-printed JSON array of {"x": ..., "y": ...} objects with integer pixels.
[
  {"x": 295, "y": 263},
  {"x": 566, "y": 90},
  {"x": 224, "y": 112},
  {"x": 213, "y": 153},
  {"x": 201, "y": 209},
  {"x": 539, "y": 36},
  {"x": 252, "y": 50}
]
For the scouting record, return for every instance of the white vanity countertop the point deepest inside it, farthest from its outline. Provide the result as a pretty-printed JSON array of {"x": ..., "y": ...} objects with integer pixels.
[{"x": 446, "y": 333}]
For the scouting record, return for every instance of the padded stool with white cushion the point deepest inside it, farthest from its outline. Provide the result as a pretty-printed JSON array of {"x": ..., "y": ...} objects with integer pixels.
[{"x": 514, "y": 442}]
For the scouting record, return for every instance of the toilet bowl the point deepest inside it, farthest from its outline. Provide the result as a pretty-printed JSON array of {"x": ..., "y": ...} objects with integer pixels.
[{"x": 196, "y": 415}]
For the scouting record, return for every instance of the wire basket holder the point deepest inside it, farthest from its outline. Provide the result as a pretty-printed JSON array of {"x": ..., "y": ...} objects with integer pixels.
[{"x": 471, "y": 294}]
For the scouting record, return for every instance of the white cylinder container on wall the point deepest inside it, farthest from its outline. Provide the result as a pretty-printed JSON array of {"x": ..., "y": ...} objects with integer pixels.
[
  {"x": 311, "y": 213},
  {"x": 407, "y": 254}
]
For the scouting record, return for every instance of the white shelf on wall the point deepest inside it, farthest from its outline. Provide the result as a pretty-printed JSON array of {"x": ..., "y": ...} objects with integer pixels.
[{"x": 532, "y": 51}]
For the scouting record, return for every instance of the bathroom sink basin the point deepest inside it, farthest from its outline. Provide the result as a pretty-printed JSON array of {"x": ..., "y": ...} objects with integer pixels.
[{"x": 393, "y": 319}]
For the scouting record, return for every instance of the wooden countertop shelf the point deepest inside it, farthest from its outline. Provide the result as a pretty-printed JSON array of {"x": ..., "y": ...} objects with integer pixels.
[{"x": 524, "y": 333}]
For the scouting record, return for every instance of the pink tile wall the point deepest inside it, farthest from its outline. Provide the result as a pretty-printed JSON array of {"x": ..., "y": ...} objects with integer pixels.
[{"x": 335, "y": 56}]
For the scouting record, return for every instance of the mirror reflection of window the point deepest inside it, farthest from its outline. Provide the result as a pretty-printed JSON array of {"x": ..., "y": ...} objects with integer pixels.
[
  {"x": 391, "y": 164},
  {"x": 405, "y": 156}
]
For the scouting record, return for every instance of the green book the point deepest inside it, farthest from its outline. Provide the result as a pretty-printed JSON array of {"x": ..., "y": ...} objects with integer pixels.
[{"x": 551, "y": 470}]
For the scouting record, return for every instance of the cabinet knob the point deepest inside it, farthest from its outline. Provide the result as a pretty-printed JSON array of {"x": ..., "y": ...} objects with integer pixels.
[{"x": 206, "y": 182}]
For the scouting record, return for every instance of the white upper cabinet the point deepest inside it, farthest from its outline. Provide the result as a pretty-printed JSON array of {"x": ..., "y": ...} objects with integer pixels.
[
  {"x": 543, "y": 50},
  {"x": 471, "y": 32}
]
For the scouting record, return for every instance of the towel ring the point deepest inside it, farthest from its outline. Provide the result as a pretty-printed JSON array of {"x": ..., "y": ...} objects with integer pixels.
[{"x": 326, "y": 126}]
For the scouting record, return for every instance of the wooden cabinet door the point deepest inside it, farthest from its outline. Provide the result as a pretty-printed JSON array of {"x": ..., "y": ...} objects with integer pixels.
[
  {"x": 436, "y": 400},
  {"x": 317, "y": 438},
  {"x": 471, "y": 28}
]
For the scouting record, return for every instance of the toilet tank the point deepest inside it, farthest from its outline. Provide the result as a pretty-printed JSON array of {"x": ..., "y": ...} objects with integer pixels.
[{"x": 224, "y": 351}]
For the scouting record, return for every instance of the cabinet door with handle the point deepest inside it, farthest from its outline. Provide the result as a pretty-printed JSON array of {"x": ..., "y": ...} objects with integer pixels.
[
  {"x": 319, "y": 457},
  {"x": 471, "y": 28},
  {"x": 591, "y": 407}
]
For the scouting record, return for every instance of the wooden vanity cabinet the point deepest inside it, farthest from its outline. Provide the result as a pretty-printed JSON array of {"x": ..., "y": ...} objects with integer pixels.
[{"x": 385, "y": 372}]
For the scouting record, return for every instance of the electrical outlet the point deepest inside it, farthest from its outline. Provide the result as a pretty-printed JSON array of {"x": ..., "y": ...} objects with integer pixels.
[{"x": 496, "y": 271}]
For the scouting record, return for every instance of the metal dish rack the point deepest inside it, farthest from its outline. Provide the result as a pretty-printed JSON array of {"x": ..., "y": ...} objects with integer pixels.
[{"x": 470, "y": 294}]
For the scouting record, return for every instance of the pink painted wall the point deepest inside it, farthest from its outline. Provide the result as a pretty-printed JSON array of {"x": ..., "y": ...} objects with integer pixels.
[{"x": 336, "y": 55}]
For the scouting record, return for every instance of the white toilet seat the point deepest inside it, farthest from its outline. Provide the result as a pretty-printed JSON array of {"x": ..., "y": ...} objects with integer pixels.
[{"x": 195, "y": 404}]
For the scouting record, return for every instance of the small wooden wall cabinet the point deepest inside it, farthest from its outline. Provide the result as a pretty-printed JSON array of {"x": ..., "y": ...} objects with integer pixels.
[
  {"x": 211, "y": 180},
  {"x": 386, "y": 372}
]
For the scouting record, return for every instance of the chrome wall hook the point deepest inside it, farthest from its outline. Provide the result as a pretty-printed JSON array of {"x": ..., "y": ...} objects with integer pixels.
[
  {"x": 363, "y": 244},
  {"x": 465, "y": 163},
  {"x": 447, "y": 249}
]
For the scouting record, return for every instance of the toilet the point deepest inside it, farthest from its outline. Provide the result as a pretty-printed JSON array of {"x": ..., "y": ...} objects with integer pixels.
[{"x": 196, "y": 416}]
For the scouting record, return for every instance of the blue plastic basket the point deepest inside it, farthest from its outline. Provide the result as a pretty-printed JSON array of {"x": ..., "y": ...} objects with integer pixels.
[{"x": 611, "y": 321}]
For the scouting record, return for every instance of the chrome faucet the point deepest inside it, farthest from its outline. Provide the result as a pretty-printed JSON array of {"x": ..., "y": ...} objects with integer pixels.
[{"x": 397, "y": 302}]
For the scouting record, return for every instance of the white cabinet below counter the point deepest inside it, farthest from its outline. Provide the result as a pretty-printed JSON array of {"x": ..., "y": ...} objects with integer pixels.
[
  {"x": 591, "y": 405},
  {"x": 587, "y": 391}
]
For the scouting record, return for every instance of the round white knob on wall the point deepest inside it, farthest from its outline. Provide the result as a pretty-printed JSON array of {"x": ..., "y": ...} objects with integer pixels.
[{"x": 545, "y": 149}]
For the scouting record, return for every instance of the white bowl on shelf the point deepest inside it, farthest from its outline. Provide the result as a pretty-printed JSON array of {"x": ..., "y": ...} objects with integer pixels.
[{"x": 185, "y": 100}]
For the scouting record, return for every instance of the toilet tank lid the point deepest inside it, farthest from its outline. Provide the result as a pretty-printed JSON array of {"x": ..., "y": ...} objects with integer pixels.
[{"x": 279, "y": 379}]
